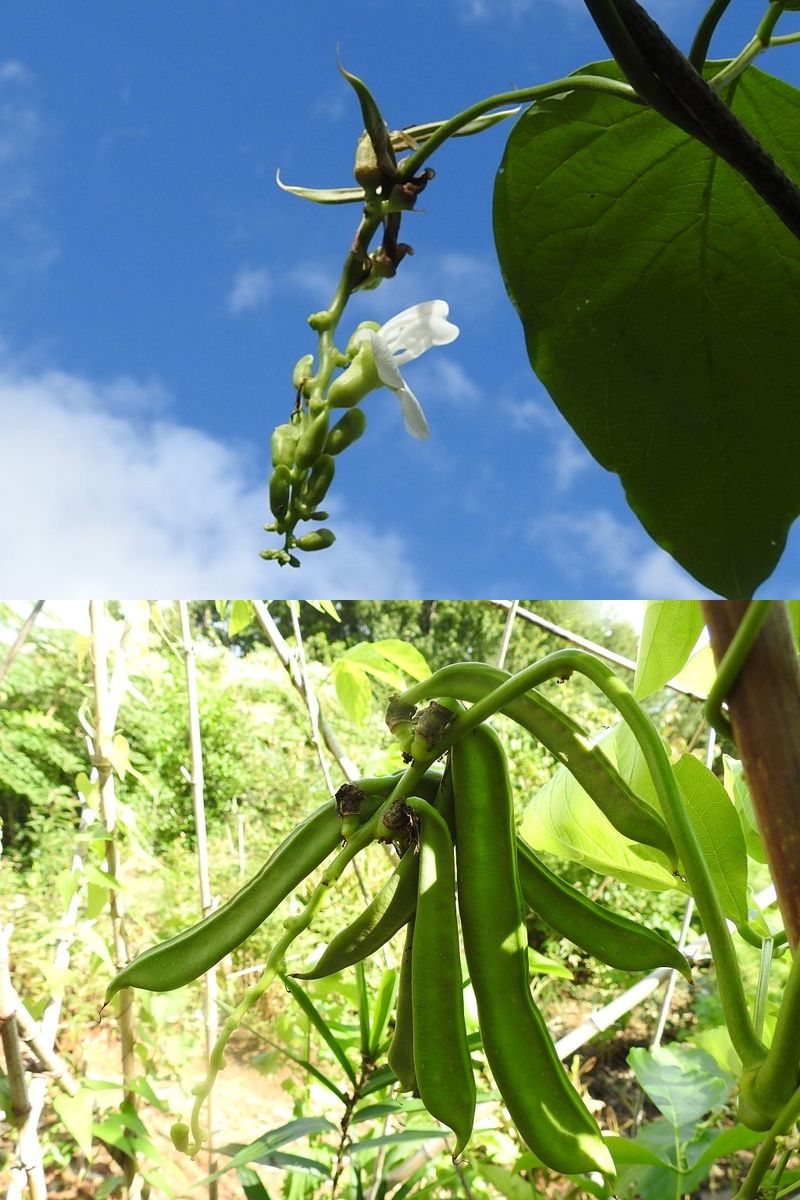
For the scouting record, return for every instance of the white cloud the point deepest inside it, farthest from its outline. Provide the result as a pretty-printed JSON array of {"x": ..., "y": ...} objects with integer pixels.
[
  {"x": 584, "y": 546},
  {"x": 100, "y": 496},
  {"x": 567, "y": 458},
  {"x": 251, "y": 288},
  {"x": 439, "y": 378}
]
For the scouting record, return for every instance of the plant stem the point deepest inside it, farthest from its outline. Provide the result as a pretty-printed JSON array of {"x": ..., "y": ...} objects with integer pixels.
[
  {"x": 764, "y": 710},
  {"x": 570, "y": 83},
  {"x": 735, "y": 656},
  {"x": 705, "y": 32},
  {"x": 784, "y": 1123}
]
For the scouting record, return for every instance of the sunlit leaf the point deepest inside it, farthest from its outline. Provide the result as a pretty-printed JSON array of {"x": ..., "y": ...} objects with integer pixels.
[{"x": 660, "y": 299}]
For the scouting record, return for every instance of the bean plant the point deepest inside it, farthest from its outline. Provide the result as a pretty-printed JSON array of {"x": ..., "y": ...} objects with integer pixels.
[
  {"x": 646, "y": 220},
  {"x": 467, "y": 877}
]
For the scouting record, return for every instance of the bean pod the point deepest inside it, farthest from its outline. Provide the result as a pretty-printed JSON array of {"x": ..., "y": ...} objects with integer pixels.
[
  {"x": 182, "y": 958},
  {"x": 544, "y": 1106},
  {"x": 401, "y": 1050},
  {"x": 609, "y": 937},
  {"x": 443, "y": 1066}
]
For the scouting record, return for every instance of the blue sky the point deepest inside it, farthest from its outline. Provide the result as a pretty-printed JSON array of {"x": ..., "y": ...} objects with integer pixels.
[{"x": 155, "y": 286}]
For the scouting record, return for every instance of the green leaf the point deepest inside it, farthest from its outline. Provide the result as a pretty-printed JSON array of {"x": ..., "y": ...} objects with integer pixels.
[
  {"x": 739, "y": 792},
  {"x": 627, "y": 1150},
  {"x": 352, "y": 690},
  {"x": 241, "y": 616},
  {"x": 101, "y": 878},
  {"x": 251, "y": 1183},
  {"x": 728, "y": 1142},
  {"x": 539, "y": 964},
  {"x": 321, "y": 1025},
  {"x": 119, "y": 754},
  {"x": 562, "y": 819},
  {"x": 659, "y": 297},
  {"x": 325, "y": 606},
  {"x": 683, "y": 1082},
  {"x": 669, "y": 634},
  {"x": 718, "y": 832},
  {"x": 265, "y": 1146},
  {"x": 76, "y": 1113},
  {"x": 368, "y": 656},
  {"x": 382, "y": 1010},
  {"x": 513, "y": 1187},
  {"x": 396, "y": 1139},
  {"x": 405, "y": 656}
]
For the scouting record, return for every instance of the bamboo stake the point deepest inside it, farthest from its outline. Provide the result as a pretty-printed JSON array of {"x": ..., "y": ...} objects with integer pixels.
[
  {"x": 283, "y": 650},
  {"x": 595, "y": 648},
  {"x": 29, "y": 1151},
  {"x": 107, "y": 695},
  {"x": 210, "y": 1002}
]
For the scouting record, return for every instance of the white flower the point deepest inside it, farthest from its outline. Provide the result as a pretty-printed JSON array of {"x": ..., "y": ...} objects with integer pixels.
[{"x": 403, "y": 338}]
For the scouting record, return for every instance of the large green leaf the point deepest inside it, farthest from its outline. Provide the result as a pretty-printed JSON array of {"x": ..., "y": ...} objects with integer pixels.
[
  {"x": 562, "y": 819},
  {"x": 682, "y": 1081},
  {"x": 660, "y": 299},
  {"x": 669, "y": 635},
  {"x": 718, "y": 832}
]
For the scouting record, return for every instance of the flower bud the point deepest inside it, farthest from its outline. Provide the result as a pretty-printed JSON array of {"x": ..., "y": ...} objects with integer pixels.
[
  {"x": 366, "y": 170},
  {"x": 348, "y": 429},
  {"x": 318, "y": 539},
  {"x": 360, "y": 378},
  {"x": 317, "y": 483},
  {"x": 282, "y": 444},
  {"x": 302, "y": 370},
  {"x": 357, "y": 339},
  {"x": 280, "y": 483},
  {"x": 311, "y": 442}
]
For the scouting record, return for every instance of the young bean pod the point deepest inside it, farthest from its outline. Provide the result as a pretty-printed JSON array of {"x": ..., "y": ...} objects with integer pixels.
[
  {"x": 400, "y": 1056},
  {"x": 190, "y": 953},
  {"x": 388, "y": 912},
  {"x": 443, "y": 1066},
  {"x": 546, "y": 1109},
  {"x": 609, "y": 937}
]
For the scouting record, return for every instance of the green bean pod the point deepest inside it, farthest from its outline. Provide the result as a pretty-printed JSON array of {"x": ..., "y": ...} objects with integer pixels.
[
  {"x": 400, "y": 1055},
  {"x": 609, "y": 937},
  {"x": 387, "y": 912},
  {"x": 443, "y": 1065},
  {"x": 564, "y": 738},
  {"x": 384, "y": 916},
  {"x": 188, "y": 954},
  {"x": 546, "y": 1109}
]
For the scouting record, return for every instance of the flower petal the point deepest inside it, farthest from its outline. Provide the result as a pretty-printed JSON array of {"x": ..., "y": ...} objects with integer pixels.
[
  {"x": 384, "y": 362},
  {"x": 414, "y": 330},
  {"x": 413, "y": 416}
]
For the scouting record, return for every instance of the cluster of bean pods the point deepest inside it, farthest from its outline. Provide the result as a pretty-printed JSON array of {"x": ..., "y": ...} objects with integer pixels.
[{"x": 461, "y": 865}]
